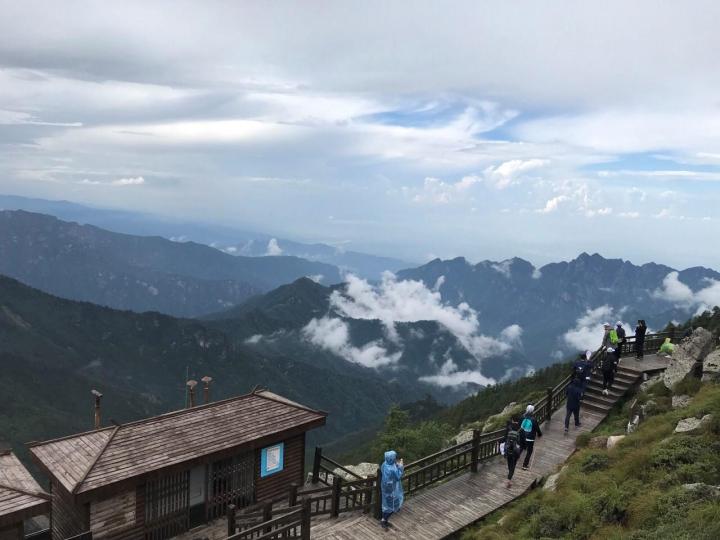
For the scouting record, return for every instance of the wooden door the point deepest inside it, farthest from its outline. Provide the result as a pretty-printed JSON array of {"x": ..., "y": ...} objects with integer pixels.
[
  {"x": 167, "y": 506},
  {"x": 230, "y": 481}
]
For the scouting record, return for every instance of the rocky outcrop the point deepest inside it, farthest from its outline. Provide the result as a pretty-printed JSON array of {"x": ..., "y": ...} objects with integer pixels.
[
  {"x": 712, "y": 491},
  {"x": 645, "y": 386},
  {"x": 361, "y": 469},
  {"x": 678, "y": 402},
  {"x": 688, "y": 425},
  {"x": 598, "y": 442},
  {"x": 552, "y": 480},
  {"x": 711, "y": 367},
  {"x": 498, "y": 420},
  {"x": 614, "y": 440},
  {"x": 688, "y": 353}
]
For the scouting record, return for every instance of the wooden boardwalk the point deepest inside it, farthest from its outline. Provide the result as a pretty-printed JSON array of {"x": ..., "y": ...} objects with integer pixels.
[{"x": 440, "y": 511}]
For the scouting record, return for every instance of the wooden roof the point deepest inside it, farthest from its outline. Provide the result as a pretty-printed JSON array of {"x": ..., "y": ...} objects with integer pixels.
[
  {"x": 88, "y": 461},
  {"x": 21, "y": 497}
]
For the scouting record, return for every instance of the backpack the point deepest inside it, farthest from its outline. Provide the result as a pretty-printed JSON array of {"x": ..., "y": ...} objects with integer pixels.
[
  {"x": 614, "y": 337},
  {"x": 527, "y": 425},
  {"x": 511, "y": 442}
]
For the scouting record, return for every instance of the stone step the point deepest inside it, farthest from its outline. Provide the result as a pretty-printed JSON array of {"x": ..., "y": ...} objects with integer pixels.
[
  {"x": 589, "y": 406},
  {"x": 600, "y": 399}
]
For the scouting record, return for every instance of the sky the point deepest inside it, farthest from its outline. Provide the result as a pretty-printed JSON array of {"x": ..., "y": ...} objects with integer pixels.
[{"x": 413, "y": 129}]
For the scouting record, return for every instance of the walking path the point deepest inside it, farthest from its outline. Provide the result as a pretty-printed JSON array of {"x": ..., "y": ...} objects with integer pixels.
[{"x": 447, "y": 508}]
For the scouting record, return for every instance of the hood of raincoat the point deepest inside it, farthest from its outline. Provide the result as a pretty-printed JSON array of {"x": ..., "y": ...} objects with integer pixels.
[
  {"x": 667, "y": 340},
  {"x": 390, "y": 457}
]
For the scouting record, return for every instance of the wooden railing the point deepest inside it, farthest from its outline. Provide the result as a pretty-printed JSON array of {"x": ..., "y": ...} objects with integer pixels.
[
  {"x": 335, "y": 494},
  {"x": 324, "y": 469},
  {"x": 294, "y": 522}
]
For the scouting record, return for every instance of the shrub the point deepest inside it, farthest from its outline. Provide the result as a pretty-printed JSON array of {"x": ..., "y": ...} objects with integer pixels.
[
  {"x": 676, "y": 451},
  {"x": 581, "y": 441},
  {"x": 659, "y": 389},
  {"x": 689, "y": 386},
  {"x": 594, "y": 462}
]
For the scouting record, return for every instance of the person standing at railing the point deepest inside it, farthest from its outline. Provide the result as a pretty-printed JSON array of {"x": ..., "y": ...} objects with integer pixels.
[
  {"x": 511, "y": 447},
  {"x": 529, "y": 430},
  {"x": 640, "y": 331},
  {"x": 392, "y": 491},
  {"x": 608, "y": 365},
  {"x": 574, "y": 393},
  {"x": 622, "y": 338}
]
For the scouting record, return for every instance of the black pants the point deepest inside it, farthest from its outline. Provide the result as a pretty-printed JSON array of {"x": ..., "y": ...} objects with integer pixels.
[
  {"x": 575, "y": 411},
  {"x": 512, "y": 459},
  {"x": 639, "y": 348},
  {"x": 608, "y": 379},
  {"x": 529, "y": 445},
  {"x": 386, "y": 515}
]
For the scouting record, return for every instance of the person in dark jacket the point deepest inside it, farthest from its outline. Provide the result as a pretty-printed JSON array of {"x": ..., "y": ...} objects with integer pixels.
[
  {"x": 529, "y": 430},
  {"x": 622, "y": 338},
  {"x": 578, "y": 367},
  {"x": 608, "y": 365},
  {"x": 640, "y": 331},
  {"x": 574, "y": 395},
  {"x": 512, "y": 445},
  {"x": 588, "y": 370}
]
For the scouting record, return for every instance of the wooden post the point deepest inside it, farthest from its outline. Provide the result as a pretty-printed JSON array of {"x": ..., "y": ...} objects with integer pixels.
[
  {"x": 549, "y": 402},
  {"x": 335, "y": 503},
  {"x": 305, "y": 527},
  {"x": 475, "y": 454},
  {"x": 316, "y": 465},
  {"x": 267, "y": 514},
  {"x": 292, "y": 499},
  {"x": 378, "y": 494},
  {"x": 231, "y": 520},
  {"x": 368, "y": 495}
]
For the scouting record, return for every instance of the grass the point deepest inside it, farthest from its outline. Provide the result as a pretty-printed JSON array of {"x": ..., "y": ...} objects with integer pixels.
[{"x": 635, "y": 490}]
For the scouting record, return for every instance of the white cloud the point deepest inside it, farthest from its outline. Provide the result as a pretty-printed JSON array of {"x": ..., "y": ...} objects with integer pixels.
[
  {"x": 507, "y": 173},
  {"x": 254, "y": 339},
  {"x": 678, "y": 293},
  {"x": 553, "y": 204},
  {"x": 136, "y": 181},
  {"x": 333, "y": 334},
  {"x": 588, "y": 331},
  {"x": 317, "y": 278},
  {"x": 502, "y": 267},
  {"x": 449, "y": 376},
  {"x": 273, "y": 248}
]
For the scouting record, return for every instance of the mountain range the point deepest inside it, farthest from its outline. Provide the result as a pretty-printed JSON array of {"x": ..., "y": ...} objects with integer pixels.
[
  {"x": 53, "y": 351},
  {"x": 231, "y": 240},
  {"x": 139, "y": 273}
]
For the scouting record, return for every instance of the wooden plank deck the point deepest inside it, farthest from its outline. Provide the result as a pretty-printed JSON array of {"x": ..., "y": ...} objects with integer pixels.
[{"x": 444, "y": 509}]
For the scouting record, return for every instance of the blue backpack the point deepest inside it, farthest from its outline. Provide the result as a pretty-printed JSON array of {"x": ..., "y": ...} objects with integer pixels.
[{"x": 527, "y": 426}]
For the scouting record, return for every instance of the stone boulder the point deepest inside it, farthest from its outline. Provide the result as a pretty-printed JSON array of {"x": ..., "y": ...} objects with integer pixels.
[
  {"x": 552, "y": 480},
  {"x": 613, "y": 440},
  {"x": 361, "y": 469},
  {"x": 713, "y": 491},
  {"x": 711, "y": 367},
  {"x": 688, "y": 353},
  {"x": 678, "y": 402},
  {"x": 645, "y": 386},
  {"x": 496, "y": 419},
  {"x": 688, "y": 425},
  {"x": 598, "y": 442}
]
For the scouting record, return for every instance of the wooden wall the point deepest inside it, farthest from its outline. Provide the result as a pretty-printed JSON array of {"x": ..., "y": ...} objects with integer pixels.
[
  {"x": 12, "y": 532},
  {"x": 278, "y": 484},
  {"x": 68, "y": 518},
  {"x": 114, "y": 515}
]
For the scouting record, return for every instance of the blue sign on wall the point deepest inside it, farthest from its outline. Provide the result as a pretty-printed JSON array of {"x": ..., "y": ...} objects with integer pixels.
[{"x": 272, "y": 459}]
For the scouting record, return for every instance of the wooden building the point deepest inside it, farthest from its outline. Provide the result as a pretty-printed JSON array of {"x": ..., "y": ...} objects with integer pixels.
[
  {"x": 156, "y": 478},
  {"x": 21, "y": 497}
]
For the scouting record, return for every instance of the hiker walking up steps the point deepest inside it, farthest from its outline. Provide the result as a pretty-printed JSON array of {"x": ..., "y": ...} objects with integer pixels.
[
  {"x": 529, "y": 429},
  {"x": 511, "y": 447},
  {"x": 392, "y": 490},
  {"x": 574, "y": 395}
]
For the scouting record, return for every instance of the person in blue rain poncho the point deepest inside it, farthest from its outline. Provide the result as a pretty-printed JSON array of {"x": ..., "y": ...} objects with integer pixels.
[{"x": 392, "y": 490}]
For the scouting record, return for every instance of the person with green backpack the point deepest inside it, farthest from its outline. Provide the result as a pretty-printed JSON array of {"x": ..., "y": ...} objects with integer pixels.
[
  {"x": 529, "y": 429},
  {"x": 511, "y": 447}
]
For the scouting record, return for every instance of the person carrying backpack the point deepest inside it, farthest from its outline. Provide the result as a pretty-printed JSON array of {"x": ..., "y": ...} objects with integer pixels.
[
  {"x": 574, "y": 395},
  {"x": 622, "y": 339},
  {"x": 529, "y": 429},
  {"x": 608, "y": 366},
  {"x": 511, "y": 447},
  {"x": 587, "y": 372}
]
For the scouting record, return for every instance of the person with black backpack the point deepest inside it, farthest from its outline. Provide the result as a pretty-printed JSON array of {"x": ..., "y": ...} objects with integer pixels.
[
  {"x": 512, "y": 447},
  {"x": 574, "y": 395},
  {"x": 608, "y": 366},
  {"x": 529, "y": 429}
]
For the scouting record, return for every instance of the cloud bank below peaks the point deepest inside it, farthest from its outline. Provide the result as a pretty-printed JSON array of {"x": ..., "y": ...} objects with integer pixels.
[
  {"x": 393, "y": 301},
  {"x": 675, "y": 291}
]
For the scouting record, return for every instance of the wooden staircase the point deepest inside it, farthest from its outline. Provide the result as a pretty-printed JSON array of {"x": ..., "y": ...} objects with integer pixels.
[{"x": 597, "y": 403}]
